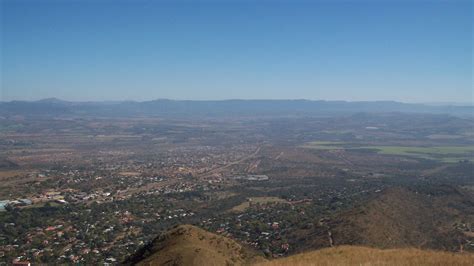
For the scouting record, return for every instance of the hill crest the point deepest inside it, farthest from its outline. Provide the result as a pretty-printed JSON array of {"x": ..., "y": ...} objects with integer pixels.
[{"x": 190, "y": 245}]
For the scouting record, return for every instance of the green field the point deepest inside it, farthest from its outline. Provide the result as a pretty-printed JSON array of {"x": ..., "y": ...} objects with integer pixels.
[
  {"x": 256, "y": 200},
  {"x": 440, "y": 153}
]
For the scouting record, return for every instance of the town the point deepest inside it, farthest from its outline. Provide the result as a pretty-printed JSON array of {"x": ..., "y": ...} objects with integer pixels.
[{"x": 79, "y": 191}]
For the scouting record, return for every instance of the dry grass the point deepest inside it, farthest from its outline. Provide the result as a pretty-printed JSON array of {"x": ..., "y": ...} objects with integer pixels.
[
  {"x": 129, "y": 173},
  {"x": 189, "y": 245},
  {"x": 13, "y": 173},
  {"x": 350, "y": 255}
]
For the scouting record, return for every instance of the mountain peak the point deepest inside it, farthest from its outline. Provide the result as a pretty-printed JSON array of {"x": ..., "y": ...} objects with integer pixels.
[{"x": 51, "y": 100}]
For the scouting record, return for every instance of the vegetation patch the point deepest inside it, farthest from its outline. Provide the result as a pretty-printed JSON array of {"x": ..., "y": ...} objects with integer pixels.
[
  {"x": 354, "y": 255},
  {"x": 449, "y": 154},
  {"x": 256, "y": 200}
]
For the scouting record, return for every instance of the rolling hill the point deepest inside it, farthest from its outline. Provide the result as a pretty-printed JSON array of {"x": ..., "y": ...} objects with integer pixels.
[
  {"x": 189, "y": 245},
  {"x": 419, "y": 225}
]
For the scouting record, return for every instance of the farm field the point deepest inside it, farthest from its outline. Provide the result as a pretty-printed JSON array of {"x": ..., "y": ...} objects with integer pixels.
[
  {"x": 449, "y": 154},
  {"x": 256, "y": 200}
]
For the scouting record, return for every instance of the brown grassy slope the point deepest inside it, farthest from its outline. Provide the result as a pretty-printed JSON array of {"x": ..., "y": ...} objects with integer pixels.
[
  {"x": 352, "y": 255},
  {"x": 189, "y": 245},
  {"x": 400, "y": 218}
]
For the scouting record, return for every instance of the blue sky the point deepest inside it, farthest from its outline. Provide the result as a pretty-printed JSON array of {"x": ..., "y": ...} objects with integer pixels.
[{"x": 411, "y": 51}]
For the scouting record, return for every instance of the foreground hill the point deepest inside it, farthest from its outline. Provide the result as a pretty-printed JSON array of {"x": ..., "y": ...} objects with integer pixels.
[
  {"x": 190, "y": 245},
  {"x": 353, "y": 255},
  {"x": 389, "y": 229}
]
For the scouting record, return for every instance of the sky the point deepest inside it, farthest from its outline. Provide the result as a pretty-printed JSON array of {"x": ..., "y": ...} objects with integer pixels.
[{"x": 409, "y": 51}]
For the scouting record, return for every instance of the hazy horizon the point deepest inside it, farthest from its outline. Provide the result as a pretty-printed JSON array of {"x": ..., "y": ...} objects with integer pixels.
[
  {"x": 414, "y": 52},
  {"x": 236, "y": 99}
]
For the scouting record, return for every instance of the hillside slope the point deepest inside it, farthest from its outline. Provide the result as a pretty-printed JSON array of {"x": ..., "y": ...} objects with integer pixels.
[
  {"x": 190, "y": 245},
  {"x": 428, "y": 218},
  {"x": 352, "y": 255},
  {"x": 389, "y": 229}
]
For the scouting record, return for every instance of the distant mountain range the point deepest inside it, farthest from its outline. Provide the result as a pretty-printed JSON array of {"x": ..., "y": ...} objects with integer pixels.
[{"x": 164, "y": 107}]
